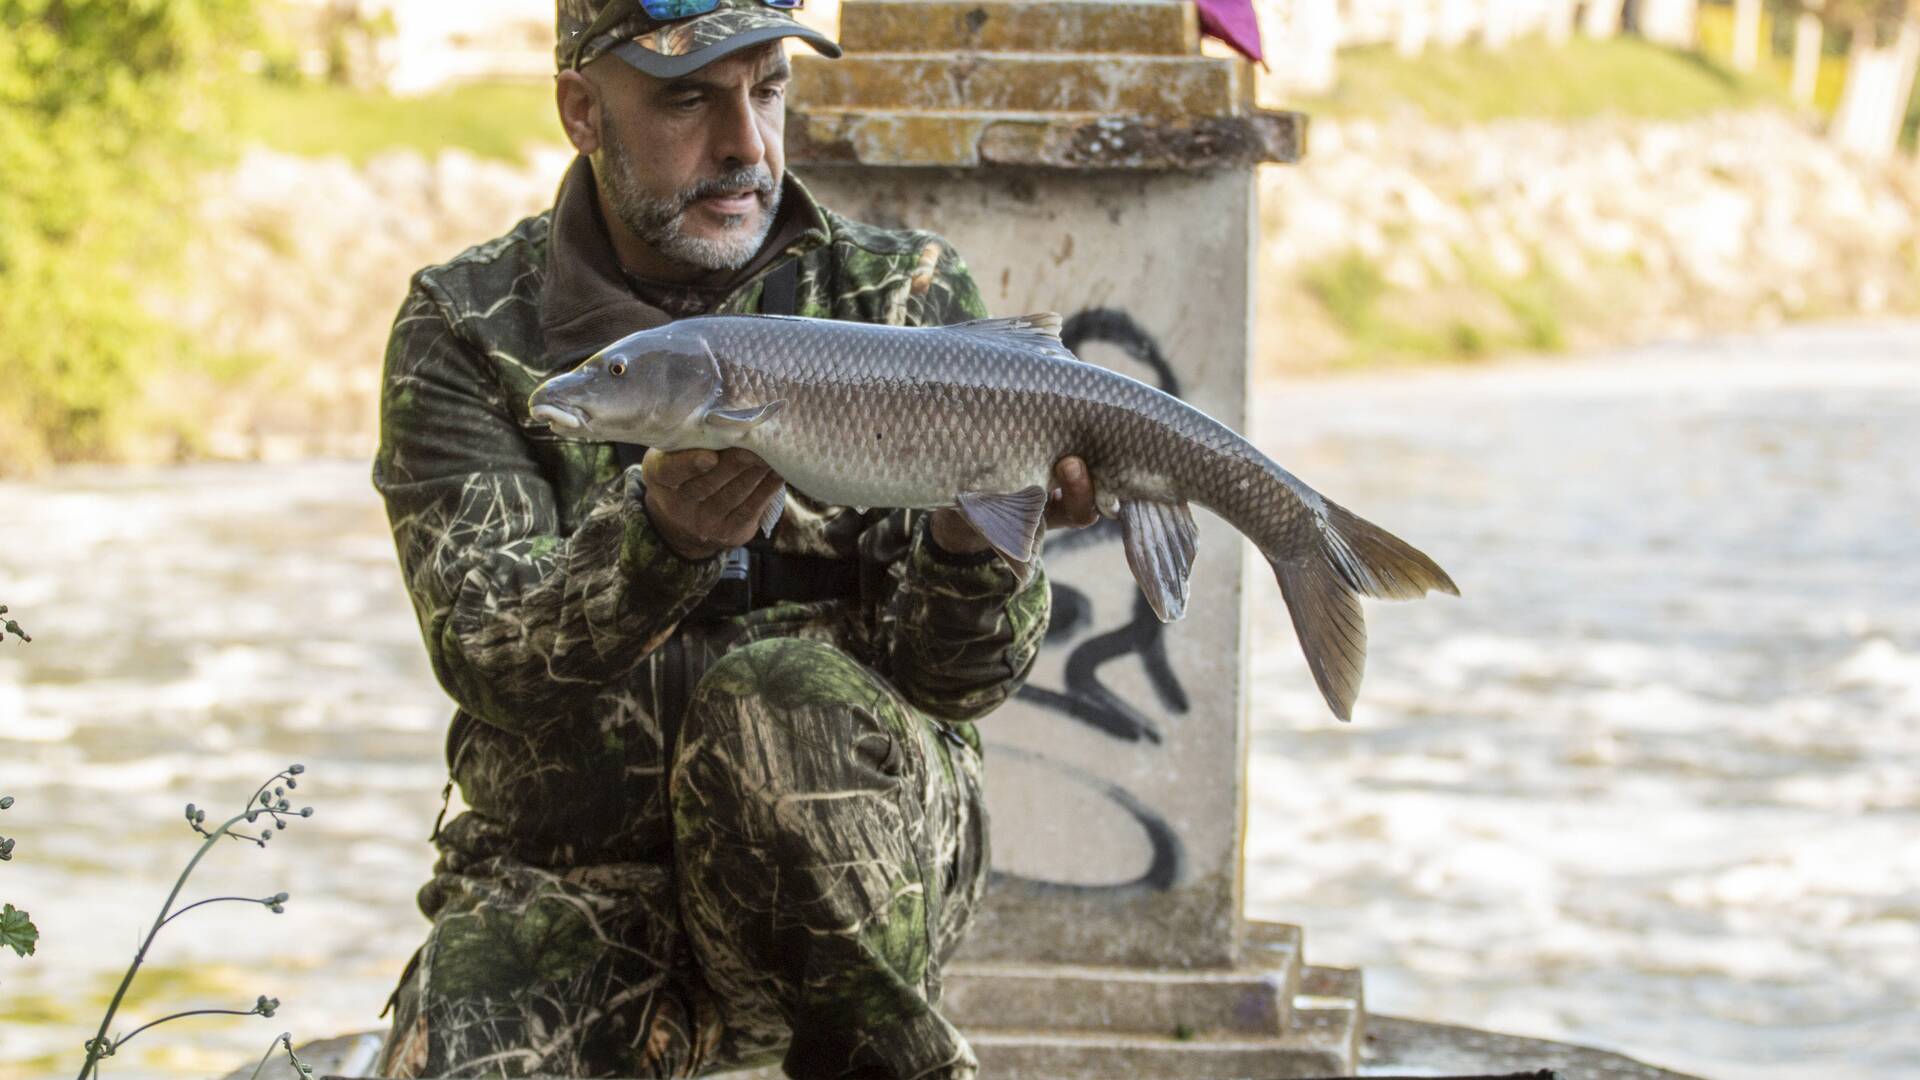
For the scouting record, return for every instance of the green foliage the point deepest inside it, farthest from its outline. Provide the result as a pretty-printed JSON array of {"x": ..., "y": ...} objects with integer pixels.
[
  {"x": 17, "y": 932},
  {"x": 496, "y": 120},
  {"x": 1487, "y": 313},
  {"x": 105, "y": 107},
  {"x": 1621, "y": 76}
]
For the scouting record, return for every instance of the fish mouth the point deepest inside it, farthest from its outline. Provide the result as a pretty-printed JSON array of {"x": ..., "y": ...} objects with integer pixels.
[{"x": 560, "y": 417}]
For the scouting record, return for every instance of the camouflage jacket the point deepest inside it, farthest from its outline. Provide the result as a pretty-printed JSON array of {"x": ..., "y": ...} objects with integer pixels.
[{"x": 551, "y": 609}]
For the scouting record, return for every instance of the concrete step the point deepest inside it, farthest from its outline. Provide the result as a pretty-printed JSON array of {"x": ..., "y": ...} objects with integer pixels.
[
  {"x": 1056, "y": 1055},
  {"x": 1166, "y": 86},
  {"x": 1142, "y": 27},
  {"x": 957, "y": 137},
  {"x": 1248, "y": 1003}
]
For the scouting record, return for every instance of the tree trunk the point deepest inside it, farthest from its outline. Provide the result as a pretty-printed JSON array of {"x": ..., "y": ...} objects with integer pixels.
[
  {"x": 1559, "y": 26},
  {"x": 1666, "y": 22},
  {"x": 1416, "y": 25},
  {"x": 1746, "y": 34},
  {"x": 1601, "y": 19},
  {"x": 1807, "y": 38},
  {"x": 1879, "y": 80}
]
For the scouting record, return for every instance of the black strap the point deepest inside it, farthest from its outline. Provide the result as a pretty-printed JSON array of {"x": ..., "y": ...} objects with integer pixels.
[{"x": 781, "y": 293}]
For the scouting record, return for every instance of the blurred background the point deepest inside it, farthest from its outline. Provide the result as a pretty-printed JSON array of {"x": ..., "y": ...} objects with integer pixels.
[{"x": 1615, "y": 307}]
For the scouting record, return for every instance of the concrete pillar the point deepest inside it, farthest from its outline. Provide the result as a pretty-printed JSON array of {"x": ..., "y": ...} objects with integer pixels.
[{"x": 1085, "y": 158}]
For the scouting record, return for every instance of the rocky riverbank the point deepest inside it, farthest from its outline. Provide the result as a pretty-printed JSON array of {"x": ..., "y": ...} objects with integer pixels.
[
  {"x": 1395, "y": 240},
  {"x": 1402, "y": 238}
]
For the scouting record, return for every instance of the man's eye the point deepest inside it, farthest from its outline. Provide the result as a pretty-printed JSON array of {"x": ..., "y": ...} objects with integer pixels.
[
  {"x": 685, "y": 104},
  {"x": 772, "y": 93}
]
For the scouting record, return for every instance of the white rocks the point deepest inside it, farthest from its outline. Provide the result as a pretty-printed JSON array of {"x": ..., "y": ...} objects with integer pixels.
[
  {"x": 302, "y": 262},
  {"x": 1719, "y": 221}
]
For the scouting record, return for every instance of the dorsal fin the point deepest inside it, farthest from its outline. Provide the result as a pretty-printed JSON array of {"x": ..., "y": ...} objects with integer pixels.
[{"x": 1039, "y": 331}]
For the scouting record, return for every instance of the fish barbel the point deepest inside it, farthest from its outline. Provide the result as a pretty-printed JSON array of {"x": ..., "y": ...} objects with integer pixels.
[{"x": 974, "y": 416}]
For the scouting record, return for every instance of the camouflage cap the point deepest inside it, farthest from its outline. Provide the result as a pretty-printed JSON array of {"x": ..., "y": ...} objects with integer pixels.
[{"x": 668, "y": 49}]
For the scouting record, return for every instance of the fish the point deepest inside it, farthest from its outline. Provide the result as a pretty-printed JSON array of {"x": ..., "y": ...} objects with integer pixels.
[{"x": 974, "y": 416}]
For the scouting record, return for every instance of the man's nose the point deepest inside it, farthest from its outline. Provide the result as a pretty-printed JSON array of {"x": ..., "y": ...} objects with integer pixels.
[{"x": 738, "y": 141}]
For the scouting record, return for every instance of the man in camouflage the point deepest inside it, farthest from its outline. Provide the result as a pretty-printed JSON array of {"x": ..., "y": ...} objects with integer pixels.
[{"x": 701, "y": 835}]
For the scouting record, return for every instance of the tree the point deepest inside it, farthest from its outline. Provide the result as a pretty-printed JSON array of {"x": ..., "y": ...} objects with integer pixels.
[
  {"x": 104, "y": 105},
  {"x": 1880, "y": 73}
]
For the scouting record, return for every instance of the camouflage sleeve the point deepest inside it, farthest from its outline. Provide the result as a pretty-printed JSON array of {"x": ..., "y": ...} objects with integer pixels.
[
  {"x": 519, "y": 620},
  {"x": 961, "y": 633}
]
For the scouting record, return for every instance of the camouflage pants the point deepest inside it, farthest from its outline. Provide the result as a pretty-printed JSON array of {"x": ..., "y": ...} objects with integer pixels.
[{"x": 830, "y": 849}]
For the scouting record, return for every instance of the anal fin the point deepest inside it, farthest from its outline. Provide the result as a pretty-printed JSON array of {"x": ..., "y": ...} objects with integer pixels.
[
  {"x": 1161, "y": 540},
  {"x": 1012, "y": 522}
]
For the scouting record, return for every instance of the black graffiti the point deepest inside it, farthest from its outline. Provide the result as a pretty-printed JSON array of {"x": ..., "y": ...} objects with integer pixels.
[
  {"x": 1085, "y": 697},
  {"x": 1165, "y": 867}
]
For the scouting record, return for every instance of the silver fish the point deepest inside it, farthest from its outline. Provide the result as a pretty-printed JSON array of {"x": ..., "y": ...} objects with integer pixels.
[{"x": 974, "y": 416}]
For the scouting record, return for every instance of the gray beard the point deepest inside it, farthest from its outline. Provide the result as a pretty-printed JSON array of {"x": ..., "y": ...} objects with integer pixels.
[{"x": 661, "y": 222}]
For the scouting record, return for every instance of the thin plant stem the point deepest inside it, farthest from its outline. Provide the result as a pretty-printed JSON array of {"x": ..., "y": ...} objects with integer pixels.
[
  {"x": 91, "y": 1066},
  {"x": 128, "y": 1037},
  {"x": 264, "y": 1058},
  {"x": 210, "y": 900}
]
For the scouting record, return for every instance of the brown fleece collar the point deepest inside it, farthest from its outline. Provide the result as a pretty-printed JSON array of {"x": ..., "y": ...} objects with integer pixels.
[{"x": 587, "y": 303}]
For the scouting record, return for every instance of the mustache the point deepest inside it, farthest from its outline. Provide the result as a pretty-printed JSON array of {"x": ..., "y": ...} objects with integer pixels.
[{"x": 758, "y": 178}]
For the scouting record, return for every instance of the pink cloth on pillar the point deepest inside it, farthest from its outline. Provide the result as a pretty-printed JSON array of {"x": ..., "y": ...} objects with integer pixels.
[{"x": 1232, "y": 21}]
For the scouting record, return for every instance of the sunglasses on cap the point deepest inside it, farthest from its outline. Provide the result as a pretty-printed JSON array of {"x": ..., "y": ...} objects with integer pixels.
[{"x": 659, "y": 11}]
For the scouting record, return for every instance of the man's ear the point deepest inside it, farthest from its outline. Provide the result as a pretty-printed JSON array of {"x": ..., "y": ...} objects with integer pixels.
[{"x": 579, "y": 102}]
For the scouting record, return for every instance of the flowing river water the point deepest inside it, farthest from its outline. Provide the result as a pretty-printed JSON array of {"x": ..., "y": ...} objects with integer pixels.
[{"x": 1653, "y": 783}]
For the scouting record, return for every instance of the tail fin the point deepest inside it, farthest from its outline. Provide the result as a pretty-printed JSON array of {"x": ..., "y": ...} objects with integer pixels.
[{"x": 1323, "y": 583}]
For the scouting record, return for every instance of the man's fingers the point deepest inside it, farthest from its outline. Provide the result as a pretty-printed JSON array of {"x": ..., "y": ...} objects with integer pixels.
[
  {"x": 746, "y": 516},
  {"x": 673, "y": 470},
  {"x": 737, "y": 489},
  {"x": 1072, "y": 506}
]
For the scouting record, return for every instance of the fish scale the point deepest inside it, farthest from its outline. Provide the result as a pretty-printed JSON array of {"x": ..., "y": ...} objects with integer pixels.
[{"x": 974, "y": 416}]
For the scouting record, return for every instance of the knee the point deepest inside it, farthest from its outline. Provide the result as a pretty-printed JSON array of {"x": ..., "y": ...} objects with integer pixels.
[
  {"x": 780, "y": 719},
  {"x": 768, "y": 684}
]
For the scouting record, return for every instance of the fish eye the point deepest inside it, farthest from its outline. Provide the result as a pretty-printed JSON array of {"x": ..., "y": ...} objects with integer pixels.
[{"x": 618, "y": 367}]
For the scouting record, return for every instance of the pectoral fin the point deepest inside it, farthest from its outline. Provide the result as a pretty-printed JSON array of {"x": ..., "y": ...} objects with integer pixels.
[
  {"x": 745, "y": 418},
  {"x": 775, "y": 508},
  {"x": 1011, "y": 522},
  {"x": 1161, "y": 540}
]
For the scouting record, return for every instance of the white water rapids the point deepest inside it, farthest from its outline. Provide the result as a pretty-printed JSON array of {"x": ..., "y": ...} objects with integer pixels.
[{"x": 1652, "y": 783}]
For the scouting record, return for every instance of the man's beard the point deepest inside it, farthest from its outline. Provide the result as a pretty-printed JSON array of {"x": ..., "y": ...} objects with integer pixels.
[{"x": 661, "y": 221}]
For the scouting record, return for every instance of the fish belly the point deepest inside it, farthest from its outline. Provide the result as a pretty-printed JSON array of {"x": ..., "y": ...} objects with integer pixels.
[{"x": 894, "y": 457}]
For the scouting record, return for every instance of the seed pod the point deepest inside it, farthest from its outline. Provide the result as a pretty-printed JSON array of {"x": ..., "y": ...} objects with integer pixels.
[
  {"x": 6, "y": 802},
  {"x": 306, "y": 811},
  {"x": 296, "y": 769}
]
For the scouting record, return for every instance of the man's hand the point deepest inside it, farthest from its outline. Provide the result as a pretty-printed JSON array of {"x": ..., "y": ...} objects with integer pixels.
[
  {"x": 1070, "y": 507},
  {"x": 703, "y": 502}
]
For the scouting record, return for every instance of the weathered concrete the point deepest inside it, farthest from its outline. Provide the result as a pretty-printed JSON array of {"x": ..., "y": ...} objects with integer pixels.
[
  {"x": 1140, "y": 27},
  {"x": 1066, "y": 140},
  {"x": 1167, "y": 86},
  {"x": 1115, "y": 793},
  {"x": 1428, "y": 1049}
]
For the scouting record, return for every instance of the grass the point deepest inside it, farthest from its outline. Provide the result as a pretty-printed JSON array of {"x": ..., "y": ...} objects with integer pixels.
[
  {"x": 1487, "y": 314},
  {"x": 497, "y": 120},
  {"x": 1582, "y": 78}
]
